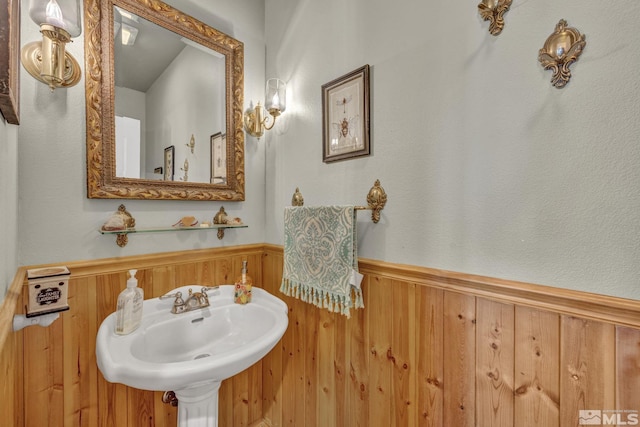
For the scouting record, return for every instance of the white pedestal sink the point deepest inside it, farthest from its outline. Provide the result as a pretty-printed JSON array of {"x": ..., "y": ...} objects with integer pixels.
[{"x": 192, "y": 353}]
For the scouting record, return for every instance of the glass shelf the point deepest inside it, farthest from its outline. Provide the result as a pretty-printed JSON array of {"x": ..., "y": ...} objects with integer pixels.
[{"x": 122, "y": 238}]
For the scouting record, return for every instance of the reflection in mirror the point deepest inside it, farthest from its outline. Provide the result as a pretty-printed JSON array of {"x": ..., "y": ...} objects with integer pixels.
[
  {"x": 161, "y": 79},
  {"x": 153, "y": 105}
]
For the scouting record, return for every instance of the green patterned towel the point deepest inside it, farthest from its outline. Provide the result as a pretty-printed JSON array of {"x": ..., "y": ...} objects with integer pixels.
[{"x": 320, "y": 257}]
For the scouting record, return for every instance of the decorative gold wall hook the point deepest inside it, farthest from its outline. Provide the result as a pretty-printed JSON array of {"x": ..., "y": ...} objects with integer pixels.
[
  {"x": 493, "y": 11},
  {"x": 561, "y": 49}
]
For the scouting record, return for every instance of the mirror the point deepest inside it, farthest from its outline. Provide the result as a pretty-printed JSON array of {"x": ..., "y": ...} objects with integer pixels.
[{"x": 164, "y": 96}]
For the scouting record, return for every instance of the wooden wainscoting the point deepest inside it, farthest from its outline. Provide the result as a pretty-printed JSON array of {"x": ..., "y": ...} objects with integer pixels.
[
  {"x": 431, "y": 348},
  {"x": 434, "y": 348},
  {"x": 11, "y": 379}
]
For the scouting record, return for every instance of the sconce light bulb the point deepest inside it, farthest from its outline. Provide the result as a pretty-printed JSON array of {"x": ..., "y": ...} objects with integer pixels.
[{"x": 53, "y": 14}]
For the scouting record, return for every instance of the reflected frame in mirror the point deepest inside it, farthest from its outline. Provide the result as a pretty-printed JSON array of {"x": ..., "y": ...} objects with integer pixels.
[
  {"x": 218, "y": 144},
  {"x": 102, "y": 182}
]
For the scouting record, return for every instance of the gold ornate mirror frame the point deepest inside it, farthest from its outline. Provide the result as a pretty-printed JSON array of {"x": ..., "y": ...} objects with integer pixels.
[
  {"x": 493, "y": 11},
  {"x": 99, "y": 83},
  {"x": 561, "y": 49}
]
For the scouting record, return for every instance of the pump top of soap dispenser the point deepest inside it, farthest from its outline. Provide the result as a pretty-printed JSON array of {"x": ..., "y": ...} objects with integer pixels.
[{"x": 132, "y": 282}]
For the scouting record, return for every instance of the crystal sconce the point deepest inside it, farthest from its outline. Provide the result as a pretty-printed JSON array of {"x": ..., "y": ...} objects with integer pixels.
[
  {"x": 255, "y": 121},
  {"x": 47, "y": 61}
]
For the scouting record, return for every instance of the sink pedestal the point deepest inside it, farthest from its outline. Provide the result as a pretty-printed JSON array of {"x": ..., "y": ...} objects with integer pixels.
[{"x": 198, "y": 406}]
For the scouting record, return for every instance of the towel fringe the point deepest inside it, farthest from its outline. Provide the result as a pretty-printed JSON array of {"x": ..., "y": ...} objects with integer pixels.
[{"x": 323, "y": 299}]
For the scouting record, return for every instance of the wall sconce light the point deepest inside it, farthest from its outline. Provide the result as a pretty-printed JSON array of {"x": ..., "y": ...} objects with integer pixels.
[
  {"x": 47, "y": 61},
  {"x": 185, "y": 169},
  {"x": 192, "y": 143},
  {"x": 255, "y": 121}
]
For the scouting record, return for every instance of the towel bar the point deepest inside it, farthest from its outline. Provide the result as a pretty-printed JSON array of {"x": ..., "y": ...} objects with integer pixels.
[{"x": 376, "y": 200}]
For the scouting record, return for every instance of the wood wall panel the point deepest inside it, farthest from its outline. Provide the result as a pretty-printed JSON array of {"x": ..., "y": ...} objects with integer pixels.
[
  {"x": 587, "y": 374},
  {"x": 459, "y": 360},
  {"x": 430, "y": 348},
  {"x": 537, "y": 368},
  {"x": 494, "y": 362},
  {"x": 80, "y": 322},
  {"x": 627, "y": 368},
  {"x": 429, "y": 339},
  {"x": 403, "y": 354},
  {"x": 379, "y": 315},
  {"x": 358, "y": 368}
]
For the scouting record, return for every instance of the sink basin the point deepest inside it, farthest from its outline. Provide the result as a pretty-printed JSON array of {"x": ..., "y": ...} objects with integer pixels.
[{"x": 182, "y": 351}]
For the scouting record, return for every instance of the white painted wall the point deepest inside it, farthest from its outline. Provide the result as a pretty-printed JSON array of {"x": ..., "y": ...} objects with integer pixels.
[
  {"x": 176, "y": 111},
  {"x": 57, "y": 221},
  {"x": 9, "y": 204},
  {"x": 488, "y": 168}
]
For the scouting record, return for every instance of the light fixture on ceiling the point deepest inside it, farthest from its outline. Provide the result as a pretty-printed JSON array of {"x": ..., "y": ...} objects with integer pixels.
[
  {"x": 128, "y": 34},
  {"x": 255, "y": 121},
  {"x": 47, "y": 60}
]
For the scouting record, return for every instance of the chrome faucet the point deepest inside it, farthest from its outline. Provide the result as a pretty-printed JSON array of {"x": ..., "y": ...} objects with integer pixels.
[{"x": 194, "y": 301}]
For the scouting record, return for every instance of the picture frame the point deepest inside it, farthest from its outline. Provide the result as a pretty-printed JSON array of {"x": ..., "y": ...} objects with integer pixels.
[
  {"x": 169, "y": 164},
  {"x": 345, "y": 116},
  {"x": 218, "y": 143},
  {"x": 9, "y": 61}
]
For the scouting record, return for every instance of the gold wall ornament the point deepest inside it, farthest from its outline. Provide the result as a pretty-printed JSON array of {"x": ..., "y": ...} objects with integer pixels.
[
  {"x": 297, "y": 199},
  {"x": 493, "y": 11},
  {"x": 561, "y": 49},
  {"x": 376, "y": 199}
]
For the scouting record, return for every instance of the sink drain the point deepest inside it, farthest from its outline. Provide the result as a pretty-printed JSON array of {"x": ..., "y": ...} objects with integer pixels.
[{"x": 201, "y": 356}]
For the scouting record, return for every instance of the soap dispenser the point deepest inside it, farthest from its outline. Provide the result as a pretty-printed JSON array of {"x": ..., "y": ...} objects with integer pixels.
[
  {"x": 242, "y": 294},
  {"x": 129, "y": 309}
]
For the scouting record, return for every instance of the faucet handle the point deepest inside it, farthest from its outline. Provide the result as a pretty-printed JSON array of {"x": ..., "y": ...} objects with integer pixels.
[
  {"x": 176, "y": 295},
  {"x": 206, "y": 289}
]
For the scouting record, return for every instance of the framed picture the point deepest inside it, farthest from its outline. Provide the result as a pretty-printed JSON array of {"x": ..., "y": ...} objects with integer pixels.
[
  {"x": 169, "y": 154},
  {"x": 219, "y": 158},
  {"x": 345, "y": 116},
  {"x": 9, "y": 58}
]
